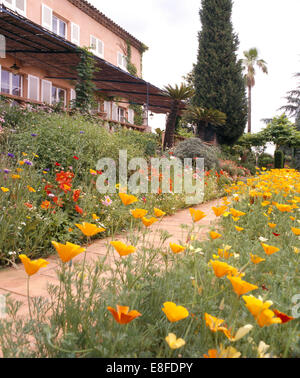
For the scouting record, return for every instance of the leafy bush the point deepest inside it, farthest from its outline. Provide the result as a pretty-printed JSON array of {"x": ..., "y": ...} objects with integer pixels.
[
  {"x": 195, "y": 148},
  {"x": 278, "y": 159},
  {"x": 265, "y": 160}
]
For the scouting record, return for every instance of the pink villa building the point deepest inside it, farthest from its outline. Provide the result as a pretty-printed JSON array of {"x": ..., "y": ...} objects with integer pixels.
[{"x": 40, "y": 59}]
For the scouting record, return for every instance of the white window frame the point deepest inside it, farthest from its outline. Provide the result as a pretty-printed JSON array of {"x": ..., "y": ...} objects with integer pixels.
[
  {"x": 131, "y": 116},
  {"x": 42, "y": 92},
  {"x": 57, "y": 31},
  {"x": 107, "y": 109},
  {"x": 10, "y": 82},
  {"x": 38, "y": 87},
  {"x": 72, "y": 94},
  {"x": 14, "y": 7},
  {"x": 121, "y": 118},
  {"x": 74, "y": 40},
  {"x": 114, "y": 112},
  {"x": 57, "y": 97},
  {"x": 96, "y": 50},
  {"x": 121, "y": 61}
]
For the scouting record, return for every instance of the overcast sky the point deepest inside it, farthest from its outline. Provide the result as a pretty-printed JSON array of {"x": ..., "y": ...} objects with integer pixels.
[{"x": 170, "y": 29}]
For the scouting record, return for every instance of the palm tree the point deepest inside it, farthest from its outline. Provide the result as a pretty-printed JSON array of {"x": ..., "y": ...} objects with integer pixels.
[
  {"x": 249, "y": 63},
  {"x": 203, "y": 119},
  {"x": 177, "y": 94}
]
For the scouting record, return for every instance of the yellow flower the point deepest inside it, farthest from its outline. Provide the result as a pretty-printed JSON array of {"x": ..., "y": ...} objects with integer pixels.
[
  {"x": 214, "y": 235},
  {"x": 30, "y": 188},
  {"x": 272, "y": 225},
  {"x": 21, "y": 162},
  {"x": 122, "y": 248},
  {"x": 214, "y": 324},
  {"x": 95, "y": 217},
  {"x": 296, "y": 231},
  {"x": 296, "y": 250},
  {"x": 67, "y": 251},
  {"x": 89, "y": 229},
  {"x": 138, "y": 213},
  {"x": 256, "y": 259},
  {"x": 197, "y": 215},
  {"x": 173, "y": 342},
  {"x": 219, "y": 210},
  {"x": 239, "y": 228},
  {"x": 265, "y": 203},
  {"x": 148, "y": 222},
  {"x": 222, "y": 269},
  {"x": 174, "y": 313},
  {"x": 159, "y": 213},
  {"x": 20, "y": 170},
  {"x": 241, "y": 287},
  {"x": 228, "y": 352},
  {"x": 4, "y": 189},
  {"x": 32, "y": 266},
  {"x": 269, "y": 249},
  {"x": 224, "y": 252},
  {"x": 176, "y": 248},
  {"x": 127, "y": 199},
  {"x": 284, "y": 208},
  {"x": 15, "y": 177},
  {"x": 261, "y": 312},
  {"x": 236, "y": 213}
]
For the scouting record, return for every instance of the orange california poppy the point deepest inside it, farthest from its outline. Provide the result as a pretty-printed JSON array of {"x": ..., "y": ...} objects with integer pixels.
[
  {"x": 197, "y": 215},
  {"x": 214, "y": 235},
  {"x": 174, "y": 313},
  {"x": 122, "y": 315},
  {"x": 127, "y": 199},
  {"x": 138, "y": 213},
  {"x": 176, "y": 248},
  {"x": 269, "y": 249},
  {"x": 241, "y": 287},
  {"x": 89, "y": 229},
  {"x": 67, "y": 251},
  {"x": 32, "y": 266},
  {"x": 159, "y": 213},
  {"x": 149, "y": 221},
  {"x": 122, "y": 248}
]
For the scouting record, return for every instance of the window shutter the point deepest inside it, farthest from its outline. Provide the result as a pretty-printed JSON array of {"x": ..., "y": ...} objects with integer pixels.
[
  {"x": 93, "y": 43},
  {"x": 75, "y": 34},
  {"x": 33, "y": 88},
  {"x": 21, "y": 6},
  {"x": 47, "y": 17},
  {"x": 131, "y": 116},
  {"x": 72, "y": 94},
  {"x": 120, "y": 59},
  {"x": 107, "y": 109},
  {"x": 114, "y": 112},
  {"x": 100, "y": 47},
  {"x": 46, "y": 91}
]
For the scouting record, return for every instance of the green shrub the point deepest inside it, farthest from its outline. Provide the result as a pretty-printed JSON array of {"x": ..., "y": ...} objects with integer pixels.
[
  {"x": 195, "y": 148},
  {"x": 265, "y": 160}
]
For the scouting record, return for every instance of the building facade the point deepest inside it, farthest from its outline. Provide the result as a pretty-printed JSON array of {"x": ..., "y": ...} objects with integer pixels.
[{"x": 78, "y": 23}]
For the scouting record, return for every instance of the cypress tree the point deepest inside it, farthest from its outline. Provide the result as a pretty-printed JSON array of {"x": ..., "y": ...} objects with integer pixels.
[{"x": 219, "y": 82}]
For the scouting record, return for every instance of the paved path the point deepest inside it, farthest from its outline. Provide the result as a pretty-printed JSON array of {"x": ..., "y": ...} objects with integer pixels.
[{"x": 13, "y": 280}]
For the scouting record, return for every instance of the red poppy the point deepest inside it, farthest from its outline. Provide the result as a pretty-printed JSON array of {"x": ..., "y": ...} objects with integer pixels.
[
  {"x": 99, "y": 172},
  {"x": 276, "y": 234},
  {"x": 27, "y": 204},
  {"x": 264, "y": 287},
  {"x": 79, "y": 209},
  {"x": 75, "y": 157},
  {"x": 58, "y": 201},
  {"x": 76, "y": 195},
  {"x": 284, "y": 317},
  {"x": 57, "y": 164}
]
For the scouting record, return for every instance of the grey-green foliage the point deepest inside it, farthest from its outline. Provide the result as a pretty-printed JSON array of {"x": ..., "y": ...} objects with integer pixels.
[{"x": 195, "y": 148}]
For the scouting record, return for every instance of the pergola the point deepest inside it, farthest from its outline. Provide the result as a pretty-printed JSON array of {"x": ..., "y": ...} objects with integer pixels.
[{"x": 37, "y": 46}]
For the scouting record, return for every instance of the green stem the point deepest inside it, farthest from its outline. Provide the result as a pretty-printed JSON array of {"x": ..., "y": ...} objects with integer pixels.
[{"x": 28, "y": 298}]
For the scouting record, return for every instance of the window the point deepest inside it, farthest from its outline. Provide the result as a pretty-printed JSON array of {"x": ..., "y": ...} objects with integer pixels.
[
  {"x": 52, "y": 22},
  {"x": 33, "y": 88},
  {"x": 16, "y": 5},
  {"x": 75, "y": 34},
  {"x": 59, "y": 27},
  {"x": 58, "y": 95},
  {"x": 121, "y": 115},
  {"x": 97, "y": 46},
  {"x": 72, "y": 95},
  {"x": 10, "y": 83},
  {"x": 114, "y": 113},
  {"x": 122, "y": 61}
]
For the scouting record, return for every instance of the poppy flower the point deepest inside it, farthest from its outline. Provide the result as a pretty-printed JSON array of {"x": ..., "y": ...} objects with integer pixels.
[
  {"x": 222, "y": 269},
  {"x": 173, "y": 342},
  {"x": 176, "y": 248},
  {"x": 89, "y": 229},
  {"x": 138, "y": 213},
  {"x": 122, "y": 248},
  {"x": 149, "y": 221},
  {"x": 269, "y": 249},
  {"x": 95, "y": 217},
  {"x": 272, "y": 225},
  {"x": 57, "y": 164},
  {"x": 228, "y": 352},
  {"x": 67, "y": 251},
  {"x": 284, "y": 317},
  {"x": 284, "y": 208},
  {"x": 256, "y": 259},
  {"x": 31, "y": 189},
  {"x": 197, "y": 215},
  {"x": 261, "y": 312},
  {"x": 274, "y": 233},
  {"x": 32, "y": 266},
  {"x": 296, "y": 231},
  {"x": 214, "y": 235},
  {"x": 214, "y": 324},
  {"x": 239, "y": 229},
  {"x": 76, "y": 195},
  {"x": 4, "y": 190},
  {"x": 241, "y": 287},
  {"x": 29, "y": 205},
  {"x": 45, "y": 205},
  {"x": 75, "y": 157},
  {"x": 174, "y": 313},
  {"x": 236, "y": 213},
  {"x": 122, "y": 315},
  {"x": 78, "y": 209},
  {"x": 127, "y": 199},
  {"x": 159, "y": 213},
  {"x": 219, "y": 210}
]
